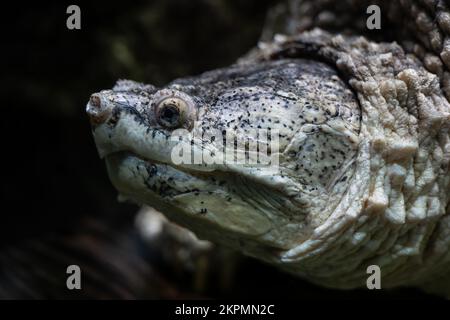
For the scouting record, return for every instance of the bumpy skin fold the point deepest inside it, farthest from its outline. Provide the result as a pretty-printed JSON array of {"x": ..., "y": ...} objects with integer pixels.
[
  {"x": 392, "y": 209},
  {"x": 395, "y": 212},
  {"x": 402, "y": 172},
  {"x": 421, "y": 27}
]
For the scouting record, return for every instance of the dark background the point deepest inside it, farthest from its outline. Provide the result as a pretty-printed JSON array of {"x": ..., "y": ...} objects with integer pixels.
[{"x": 57, "y": 203}]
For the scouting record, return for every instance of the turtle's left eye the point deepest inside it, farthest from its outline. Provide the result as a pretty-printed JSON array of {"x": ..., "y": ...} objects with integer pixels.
[{"x": 171, "y": 112}]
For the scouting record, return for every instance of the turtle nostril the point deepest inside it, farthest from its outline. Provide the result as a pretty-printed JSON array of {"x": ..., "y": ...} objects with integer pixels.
[
  {"x": 97, "y": 111},
  {"x": 95, "y": 101}
]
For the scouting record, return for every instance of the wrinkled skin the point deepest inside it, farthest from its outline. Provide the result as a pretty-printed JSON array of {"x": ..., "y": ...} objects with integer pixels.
[{"x": 364, "y": 150}]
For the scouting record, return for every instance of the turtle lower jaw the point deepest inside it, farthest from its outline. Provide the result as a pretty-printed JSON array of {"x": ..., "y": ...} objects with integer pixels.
[{"x": 142, "y": 175}]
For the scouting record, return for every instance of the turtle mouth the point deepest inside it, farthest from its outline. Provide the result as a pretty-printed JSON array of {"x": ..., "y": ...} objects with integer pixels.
[
  {"x": 191, "y": 171},
  {"x": 163, "y": 179}
]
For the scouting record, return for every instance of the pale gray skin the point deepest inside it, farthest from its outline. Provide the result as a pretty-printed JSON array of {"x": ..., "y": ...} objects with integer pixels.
[{"x": 364, "y": 155}]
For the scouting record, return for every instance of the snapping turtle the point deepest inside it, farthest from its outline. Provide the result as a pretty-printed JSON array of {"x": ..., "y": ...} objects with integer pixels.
[{"x": 354, "y": 124}]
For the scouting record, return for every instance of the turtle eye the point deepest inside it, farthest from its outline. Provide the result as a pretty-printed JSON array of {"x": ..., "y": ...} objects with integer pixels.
[{"x": 171, "y": 112}]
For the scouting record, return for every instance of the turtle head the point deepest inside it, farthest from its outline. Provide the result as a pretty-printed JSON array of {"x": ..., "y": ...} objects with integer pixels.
[{"x": 253, "y": 157}]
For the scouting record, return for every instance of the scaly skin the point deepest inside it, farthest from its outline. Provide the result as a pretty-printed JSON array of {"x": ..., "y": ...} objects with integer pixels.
[{"x": 364, "y": 151}]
